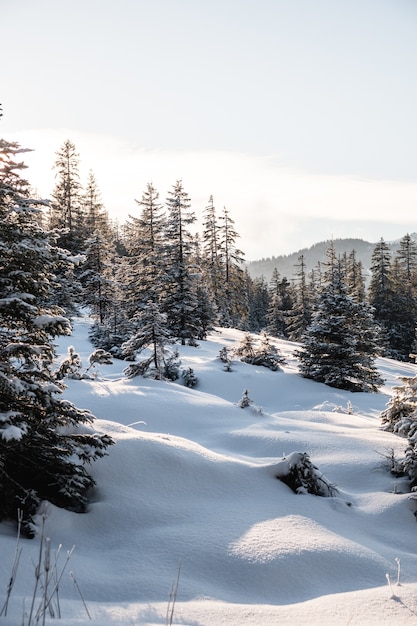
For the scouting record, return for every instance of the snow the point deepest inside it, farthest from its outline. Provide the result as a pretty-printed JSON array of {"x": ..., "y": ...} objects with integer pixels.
[{"x": 190, "y": 490}]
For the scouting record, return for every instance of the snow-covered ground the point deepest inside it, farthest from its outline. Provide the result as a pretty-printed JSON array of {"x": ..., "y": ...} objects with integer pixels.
[{"x": 189, "y": 491}]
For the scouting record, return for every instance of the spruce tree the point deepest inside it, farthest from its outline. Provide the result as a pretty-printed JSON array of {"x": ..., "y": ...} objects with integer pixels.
[
  {"x": 404, "y": 301},
  {"x": 275, "y": 315},
  {"x": 179, "y": 301},
  {"x": 153, "y": 334},
  {"x": 66, "y": 209},
  {"x": 298, "y": 318},
  {"x": 381, "y": 295},
  {"x": 340, "y": 345},
  {"x": 43, "y": 450},
  {"x": 97, "y": 280},
  {"x": 95, "y": 215},
  {"x": 211, "y": 262},
  {"x": 232, "y": 307},
  {"x": 258, "y": 302},
  {"x": 144, "y": 237}
]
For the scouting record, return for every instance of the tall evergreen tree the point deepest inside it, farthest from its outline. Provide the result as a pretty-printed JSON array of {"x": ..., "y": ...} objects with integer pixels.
[
  {"x": 258, "y": 302},
  {"x": 211, "y": 263},
  {"x": 403, "y": 305},
  {"x": 153, "y": 334},
  {"x": 95, "y": 215},
  {"x": 355, "y": 280},
  {"x": 43, "y": 452},
  {"x": 381, "y": 294},
  {"x": 97, "y": 276},
  {"x": 232, "y": 308},
  {"x": 340, "y": 346},
  {"x": 298, "y": 318},
  {"x": 145, "y": 237},
  {"x": 179, "y": 300},
  {"x": 66, "y": 209}
]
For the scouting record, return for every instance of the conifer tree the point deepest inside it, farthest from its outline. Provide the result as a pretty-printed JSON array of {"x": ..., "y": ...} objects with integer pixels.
[
  {"x": 95, "y": 215},
  {"x": 152, "y": 333},
  {"x": 211, "y": 262},
  {"x": 258, "y": 303},
  {"x": 355, "y": 280},
  {"x": 299, "y": 317},
  {"x": 281, "y": 305},
  {"x": 66, "y": 209},
  {"x": 232, "y": 307},
  {"x": 179, "y": 301},
  {"x": 97, "y": 279},
  {"x": 144, "y": 236},
  {"x": 275, "y": 315},
  {"x": 43, "y": 452},
  {"x": 404, "y": 301},
  {"x": 339, "y": 346},
  {"x": 381, "y": 294}
]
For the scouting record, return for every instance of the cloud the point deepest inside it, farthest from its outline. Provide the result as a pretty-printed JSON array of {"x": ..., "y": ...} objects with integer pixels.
[{"x": 276, "y": 209}]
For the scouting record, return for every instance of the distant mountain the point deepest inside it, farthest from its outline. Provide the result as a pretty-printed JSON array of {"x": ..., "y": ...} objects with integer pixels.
[{"x": 285, "y": 264}]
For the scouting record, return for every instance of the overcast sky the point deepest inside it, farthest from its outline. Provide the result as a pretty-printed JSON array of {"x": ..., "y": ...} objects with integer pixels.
[{"x": 298, "y": 115}]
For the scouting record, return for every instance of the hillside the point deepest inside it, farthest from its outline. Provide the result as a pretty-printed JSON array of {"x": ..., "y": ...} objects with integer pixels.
[
  {"x": 286, "y": 264},
  {"x": 190, "y": 489}
]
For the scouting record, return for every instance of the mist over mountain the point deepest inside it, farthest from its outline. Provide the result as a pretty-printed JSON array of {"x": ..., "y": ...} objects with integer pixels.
[{"x": 286, "y": 263}]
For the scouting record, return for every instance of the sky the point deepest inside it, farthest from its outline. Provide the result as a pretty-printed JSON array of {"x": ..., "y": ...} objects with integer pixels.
[
  {"x": 297, "y": 116},
  {"x": 190, "y": 489}
]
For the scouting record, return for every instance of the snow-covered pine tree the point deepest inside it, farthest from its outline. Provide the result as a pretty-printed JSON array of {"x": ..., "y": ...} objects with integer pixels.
[
  {"x": 298, "y": 318},
  {"x": 179, "y": 300},
  {"x": 66, "y": 208},
  {"x": 95, "y": 215},
  {"x": 97, "y": 276},
  {"x": 381, "y": 294},
  {"x": 355, "y": 280},
  {"x": 66, "y": 217},
  {"x": 43, "y": 450},
  {"x": 151, "y": 335},
  {"x": 233, "y": 308},
  {"x": 268, "y": 355},
  {"x": 400, "y": 414},
  {"x": 211, "y": 263},
  {"x": 282, "y": 300},
  {"x": 404, "y": 309},
  {"x": 258, "y": 302},
  {"x": 275, "y": 315},
  {"x": 245, "y": 350},
  {"x": 144, "y": 237},
  {"x": 338, "y": 347}
]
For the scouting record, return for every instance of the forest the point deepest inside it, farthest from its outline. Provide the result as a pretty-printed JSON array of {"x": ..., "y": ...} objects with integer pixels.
[{"x": 150, "y": 284}]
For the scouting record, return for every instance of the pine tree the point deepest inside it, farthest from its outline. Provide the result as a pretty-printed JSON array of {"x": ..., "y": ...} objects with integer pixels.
[
  {"x": 245, "y": 350},
  {"x": 355, "y": 280},
  {"x": 268, "y": 355},
  {"x": 179, "y": 301},
  {"x": 97, "y": 279},
  {"x": 66, "y": 209},
  {"x": 340, "y": 345},
  {"x": 145, "y": 236},
  {"x": 232, "y": 307},
  {"x": 211, "y": 262},
  {"x": 298, "y": 318},
  {"x": 43, "y": 452},
  {"x": 258, "y": 302},
  {"x": 95, "y": 215},
  {"x": 404, "y": 300},
  {"x": 282, "y": 300},
  {"x": 381, "y": 295},
  {"x": 153, "y": 335},
  {"x": 275, "y": 315}
]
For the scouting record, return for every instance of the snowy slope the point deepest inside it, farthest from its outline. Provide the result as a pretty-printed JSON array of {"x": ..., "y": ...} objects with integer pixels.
[{"x": 191, "y": 484}]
